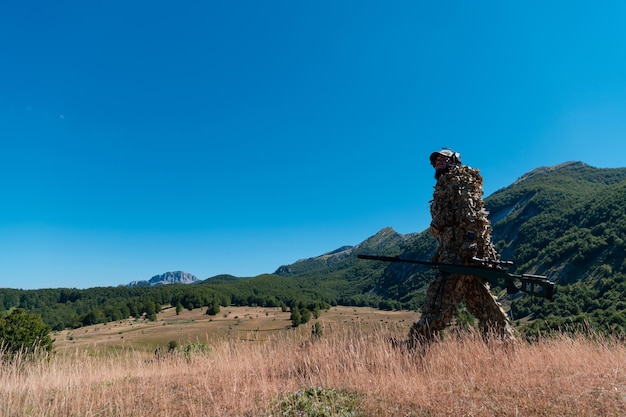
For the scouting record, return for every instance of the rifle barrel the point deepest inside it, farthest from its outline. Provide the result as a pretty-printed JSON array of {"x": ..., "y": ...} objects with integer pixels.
[{"x": 538, "y": 285}]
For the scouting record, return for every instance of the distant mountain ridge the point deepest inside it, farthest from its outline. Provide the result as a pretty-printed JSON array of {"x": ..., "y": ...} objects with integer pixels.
[
  {"x": 384, "y": 239},
  {"x": 176, "y": 277}
]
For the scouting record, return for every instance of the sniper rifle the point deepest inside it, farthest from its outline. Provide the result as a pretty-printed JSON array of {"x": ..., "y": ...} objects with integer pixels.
[{"x": 538, "y": 285}]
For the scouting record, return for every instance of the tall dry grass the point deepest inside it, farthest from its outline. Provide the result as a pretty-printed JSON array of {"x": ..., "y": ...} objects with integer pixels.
[{"x": 565, "y": 376}]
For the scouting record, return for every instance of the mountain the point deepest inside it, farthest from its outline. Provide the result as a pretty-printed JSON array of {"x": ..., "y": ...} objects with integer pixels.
[
  {"x": 177, "y": 277},
  {"x": 566, "y": 221},
  {"x": 347, "y": 280},
  {"x": 384, "y": 239}
]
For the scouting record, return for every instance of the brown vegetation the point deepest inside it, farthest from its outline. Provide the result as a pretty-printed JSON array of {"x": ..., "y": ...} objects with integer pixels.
[{"x": 246, "y": 376}]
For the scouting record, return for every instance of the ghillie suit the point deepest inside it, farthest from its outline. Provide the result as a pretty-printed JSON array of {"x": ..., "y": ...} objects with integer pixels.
[{"x": 459, "y": 221}]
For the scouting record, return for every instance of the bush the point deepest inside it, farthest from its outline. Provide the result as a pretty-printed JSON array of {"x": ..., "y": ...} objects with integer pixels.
[
  {"x": 172, "y": 345},
  {"x": 318, "y": 402},
  {"x": 213, "y": 309},
  {"x": 296, "y": 318},
  {"x": 24, "y": 333},
  {"x": 195, "y": 349}
]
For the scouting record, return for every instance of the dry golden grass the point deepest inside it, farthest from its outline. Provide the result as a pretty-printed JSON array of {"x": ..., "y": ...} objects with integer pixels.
[{"x": 244, "y": 376}]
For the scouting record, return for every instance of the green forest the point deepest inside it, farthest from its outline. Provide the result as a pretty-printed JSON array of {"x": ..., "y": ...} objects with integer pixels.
[{"x": 567, "y": 222}]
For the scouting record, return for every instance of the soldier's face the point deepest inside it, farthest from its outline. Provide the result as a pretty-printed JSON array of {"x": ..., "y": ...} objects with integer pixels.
[{"x": 442, "y": 163}]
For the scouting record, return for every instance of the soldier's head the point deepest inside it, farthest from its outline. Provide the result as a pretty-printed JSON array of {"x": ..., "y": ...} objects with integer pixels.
[{"x": 443, "y": 160}]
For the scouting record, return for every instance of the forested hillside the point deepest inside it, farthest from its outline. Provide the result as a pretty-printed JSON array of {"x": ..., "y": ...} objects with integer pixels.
[{"x": 567, "y": 222}]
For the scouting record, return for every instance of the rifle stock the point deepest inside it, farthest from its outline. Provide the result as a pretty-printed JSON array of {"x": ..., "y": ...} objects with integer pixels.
[{"x": 536, "y": 285}]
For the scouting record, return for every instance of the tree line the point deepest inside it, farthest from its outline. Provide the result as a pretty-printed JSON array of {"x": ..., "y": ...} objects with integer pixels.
[{"x": 72, "y": 308}]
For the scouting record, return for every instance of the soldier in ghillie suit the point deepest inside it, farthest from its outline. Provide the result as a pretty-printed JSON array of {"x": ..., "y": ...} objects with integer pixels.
[{"x": 460, "y": 223}]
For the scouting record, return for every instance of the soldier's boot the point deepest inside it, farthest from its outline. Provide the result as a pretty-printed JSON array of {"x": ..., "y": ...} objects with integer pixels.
[{"x": 422, "y": 334}]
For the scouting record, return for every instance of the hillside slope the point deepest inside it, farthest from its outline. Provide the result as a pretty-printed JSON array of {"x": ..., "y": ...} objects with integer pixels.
[{"x": 566, "y": 221}]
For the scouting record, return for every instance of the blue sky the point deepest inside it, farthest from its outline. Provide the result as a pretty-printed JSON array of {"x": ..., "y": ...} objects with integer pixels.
[{"x": 212, "y": 137}]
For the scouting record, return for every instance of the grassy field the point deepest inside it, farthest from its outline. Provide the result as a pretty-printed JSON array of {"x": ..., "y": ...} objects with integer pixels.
[
  {"x": 231, "y": 323},
  {"x": 252, "y": 364}
]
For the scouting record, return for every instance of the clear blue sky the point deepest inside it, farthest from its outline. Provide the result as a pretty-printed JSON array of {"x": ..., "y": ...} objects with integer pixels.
[{"x": 140, "y": 137}]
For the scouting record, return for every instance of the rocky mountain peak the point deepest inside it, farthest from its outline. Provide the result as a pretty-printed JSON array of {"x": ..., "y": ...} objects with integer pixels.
[{"x": 176, "y": 277}]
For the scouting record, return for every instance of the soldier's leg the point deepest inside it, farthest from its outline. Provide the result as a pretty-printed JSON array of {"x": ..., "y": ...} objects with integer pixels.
[
  {"x": 483, "y": 305},
  {"x": 442, "y": 299}
]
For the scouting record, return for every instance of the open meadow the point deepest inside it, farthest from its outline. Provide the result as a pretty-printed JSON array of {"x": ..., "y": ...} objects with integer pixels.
[
  {"x": 232, "y": 323},
  {"x": 247, "y": 361}
]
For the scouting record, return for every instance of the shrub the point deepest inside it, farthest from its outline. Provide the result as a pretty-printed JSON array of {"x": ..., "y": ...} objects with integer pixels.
[
  {"x": 24, "y": 333},
  {"x": 318, "y": 402}
]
